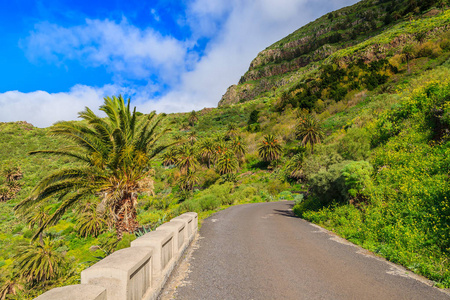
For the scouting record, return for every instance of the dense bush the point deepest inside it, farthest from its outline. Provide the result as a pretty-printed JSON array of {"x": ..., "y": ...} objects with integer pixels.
[{"x": 407, "y": 218}]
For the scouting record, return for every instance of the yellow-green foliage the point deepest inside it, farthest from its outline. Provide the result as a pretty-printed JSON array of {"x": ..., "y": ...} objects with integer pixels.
[{"x": 408, "y": 218}]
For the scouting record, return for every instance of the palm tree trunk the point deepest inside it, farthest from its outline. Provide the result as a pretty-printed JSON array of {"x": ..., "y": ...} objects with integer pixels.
[{"x": 125, "y": 211}]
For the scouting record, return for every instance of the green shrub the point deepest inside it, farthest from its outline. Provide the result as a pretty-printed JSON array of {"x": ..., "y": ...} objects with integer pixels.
[
  {"x": 191, "y": 205},
  {"x": 357, "y": 176},
  {"x": 328, "y": 185},
  {"x": 355, "y": 145},
  {"x": 209, "y": 202},
  {"x": 126, "y": 240},
  {"x": 285, "y": 195}
]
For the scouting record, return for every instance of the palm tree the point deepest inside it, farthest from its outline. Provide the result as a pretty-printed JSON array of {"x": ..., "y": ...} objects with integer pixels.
[
  {"x": 192, "y": 137},
  {"x": 294, "y": 166},
  {"x": 309, "y": 130},
  {"x": 12, "y": 173},
  {"x": 170, "y": 157},
  {"x": 206, "y": 149},
  {"x": 11, "y": 285},
  {"x": 187, "y": 159},
  {"x": 408, "y": 52},
  {"x": 5, "y": 193},
  {"x": 269, "y": 149},
  {"x": 220, "y": 147},
  {"x": 188, "y": 181},
  {"x": 227, "y": 163},
  {"x": 442, "y": 4},
  {"x": 113, "y": 155},
  {"x": 239, "y": 147},
  {"x": 39, "y": 262},
  {"x": 193, "y": 118},
  {"x": 91, "y": 222},
  {"x": 36, "y": 218},
  {"x": 178, "y": 138},
  {"x": 231, "y": 131}
]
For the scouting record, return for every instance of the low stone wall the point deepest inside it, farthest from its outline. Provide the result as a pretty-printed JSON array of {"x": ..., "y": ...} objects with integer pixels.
[{"x": 135, "y": 273}]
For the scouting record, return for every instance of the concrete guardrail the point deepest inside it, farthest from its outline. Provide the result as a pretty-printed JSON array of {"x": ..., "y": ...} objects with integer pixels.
[{"x": 135, "y": 273}]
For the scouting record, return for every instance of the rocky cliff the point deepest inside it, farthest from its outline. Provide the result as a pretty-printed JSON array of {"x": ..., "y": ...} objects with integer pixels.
[{"x": 302, "y": 51}]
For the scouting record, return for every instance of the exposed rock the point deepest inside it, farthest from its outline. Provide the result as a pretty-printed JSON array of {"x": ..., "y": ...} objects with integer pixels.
[{"x": 229, "y": 97}]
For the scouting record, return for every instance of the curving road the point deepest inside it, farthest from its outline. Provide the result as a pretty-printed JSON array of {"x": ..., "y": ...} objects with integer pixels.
[{"x": 261, "y": 251}]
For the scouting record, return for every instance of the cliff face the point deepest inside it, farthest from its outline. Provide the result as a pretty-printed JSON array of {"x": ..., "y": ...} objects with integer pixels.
[{"x": 300, "y": 52}]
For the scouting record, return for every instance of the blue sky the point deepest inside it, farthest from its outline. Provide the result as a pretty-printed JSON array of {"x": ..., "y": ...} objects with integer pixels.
[{"x": 58, "y": 56}]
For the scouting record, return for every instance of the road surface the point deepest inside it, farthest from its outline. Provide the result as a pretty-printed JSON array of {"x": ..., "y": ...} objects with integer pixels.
[{"x": 262, "y": 251}]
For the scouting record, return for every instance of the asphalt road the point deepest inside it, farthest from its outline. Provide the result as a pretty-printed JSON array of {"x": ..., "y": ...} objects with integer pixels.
[{"x": 261, "y": 251}]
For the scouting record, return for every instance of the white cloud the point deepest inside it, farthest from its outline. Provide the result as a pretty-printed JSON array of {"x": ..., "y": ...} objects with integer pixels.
[
  {"x": 237, "y": 30},
  {"x": 43, "y": 109},
  {"x": 248, "y": 28},
  {"x": 120, "y": 47}
]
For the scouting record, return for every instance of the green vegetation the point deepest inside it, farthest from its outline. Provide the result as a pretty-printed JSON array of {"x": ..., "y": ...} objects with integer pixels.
[{"x": 354, "y": 127}]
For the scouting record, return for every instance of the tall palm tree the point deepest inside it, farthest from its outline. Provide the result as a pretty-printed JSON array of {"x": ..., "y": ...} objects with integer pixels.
[
  {"x": 309, "y": 130},
  {"x": 220, "y": 148},
  {"x": 269, "y": 149},
  {"x": 187, "y": 159},
  {"x": 113, "y": 156},
  {"x": 192, "y": 118},
  {"x": 206, "y": 149},
  {"x": 239, "y": 148},
  {"x": 227, "y": 163}
]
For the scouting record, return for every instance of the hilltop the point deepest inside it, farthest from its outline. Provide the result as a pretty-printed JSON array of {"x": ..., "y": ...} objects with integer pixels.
[{"x": 373, "y": 78}]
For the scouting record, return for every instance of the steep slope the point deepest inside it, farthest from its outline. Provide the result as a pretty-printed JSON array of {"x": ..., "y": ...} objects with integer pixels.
[{"x": 295, "y": 57}]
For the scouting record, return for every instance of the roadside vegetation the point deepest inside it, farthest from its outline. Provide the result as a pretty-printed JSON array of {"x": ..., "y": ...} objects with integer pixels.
[{"x": 359, "y": 140}]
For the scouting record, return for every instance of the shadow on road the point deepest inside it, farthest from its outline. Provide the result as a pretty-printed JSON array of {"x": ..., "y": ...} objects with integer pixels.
[{"x": 286, "y": 212}]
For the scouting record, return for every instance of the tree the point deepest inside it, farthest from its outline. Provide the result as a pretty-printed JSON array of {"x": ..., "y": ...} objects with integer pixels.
[
  {"x": 309, "y": 130},
  {"x": 170, "y": 157},
  {"x": 252, "y": 123},
  {"x": 294, "y": 167},
  {"x": 227, "y": 163},
  {"x": 269, "y": 149},
  {"x": 207, "y": 150},
  {"x": 408, "y": 52},
  {"x": 39, "y": 262},
  {"x": 91, "y": 222},
  {"x": 442, "y": 4},
  {"x": 239, "y": 148},
  {"x": 193, "y": 118},
  {"x": 187, "y": 159},
  {"x": 11, "y": 285},
  {"x": 113, "y": 156},
  {"x": 192, "y": 137},
  {"x": 188, "y": 181},
  {"x": 231, "y": 131}
]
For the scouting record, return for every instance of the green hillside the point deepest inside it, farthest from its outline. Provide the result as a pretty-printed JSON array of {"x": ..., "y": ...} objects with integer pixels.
[{"x": 348, "y": 116}]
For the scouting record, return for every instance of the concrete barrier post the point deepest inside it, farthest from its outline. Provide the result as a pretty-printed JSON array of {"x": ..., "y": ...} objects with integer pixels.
[
  {"x": 179, "y": 236},
  {"x": 125, "y": 274},
  {"x": 189, "y": 225},
  {"x": 79, "y": 291},
  {"x": 195, "y": 219},
  {"x": 161, "y": 241}
]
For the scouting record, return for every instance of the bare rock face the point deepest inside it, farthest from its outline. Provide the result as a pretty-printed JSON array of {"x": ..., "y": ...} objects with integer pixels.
[{"x": 230, "y": 97}]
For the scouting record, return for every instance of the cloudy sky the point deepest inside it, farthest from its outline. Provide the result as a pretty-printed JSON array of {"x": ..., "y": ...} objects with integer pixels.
[{"x": 58, "y": 56}]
